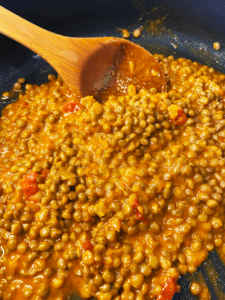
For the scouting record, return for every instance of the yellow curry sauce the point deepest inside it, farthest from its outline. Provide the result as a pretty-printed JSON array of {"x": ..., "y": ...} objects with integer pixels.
[{"x": 115, "y": 200}]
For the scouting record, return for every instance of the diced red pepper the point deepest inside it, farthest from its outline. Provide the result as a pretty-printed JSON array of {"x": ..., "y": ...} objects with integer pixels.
[
  {"x": 71, "y": 107},
  {"x": 180, "y": 119},
  {"x": 87, "y": 245},
  {"x": 139, "y": 215},
  {"x": 169, "y": 290},
  {"x": 29, "y": 184}
]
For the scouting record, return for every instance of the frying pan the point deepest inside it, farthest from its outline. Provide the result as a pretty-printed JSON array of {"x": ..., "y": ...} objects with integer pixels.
[{"x": 189, "y": 30}]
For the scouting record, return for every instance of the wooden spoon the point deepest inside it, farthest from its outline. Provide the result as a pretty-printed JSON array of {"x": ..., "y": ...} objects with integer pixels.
[{"x": 89, "y": 66}]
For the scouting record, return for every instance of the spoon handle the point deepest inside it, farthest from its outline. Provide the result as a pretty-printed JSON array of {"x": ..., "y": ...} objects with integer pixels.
[{"x": 32, "y": 36}]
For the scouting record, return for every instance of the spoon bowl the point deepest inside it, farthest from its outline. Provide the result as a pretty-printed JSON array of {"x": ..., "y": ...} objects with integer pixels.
[{"x": 99, "y": 66}]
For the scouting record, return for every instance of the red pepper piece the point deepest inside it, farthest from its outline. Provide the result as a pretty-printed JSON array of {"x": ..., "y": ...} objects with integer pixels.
[
  {"x": 87, "y": 245},
  {"x": 139, "y": 215},
  {"x": 169, "y": 290},
  {"x": 71, "y": 107},
  {"x": 180, "y": 119},
  {"x": 29, "y": 184}
]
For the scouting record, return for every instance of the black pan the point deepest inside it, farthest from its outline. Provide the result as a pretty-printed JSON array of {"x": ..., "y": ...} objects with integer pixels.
[{"x": 189, "y": 30}]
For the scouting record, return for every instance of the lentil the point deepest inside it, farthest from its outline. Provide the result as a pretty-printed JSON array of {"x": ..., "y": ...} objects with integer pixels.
[
  {"x": 137, "y": 33},
  {"x": 216, "y": 46},
  {"x": 125, "y": 33}
]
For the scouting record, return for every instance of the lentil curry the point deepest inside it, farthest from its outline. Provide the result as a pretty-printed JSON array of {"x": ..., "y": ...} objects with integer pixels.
[{"x": 115, "y": 200}]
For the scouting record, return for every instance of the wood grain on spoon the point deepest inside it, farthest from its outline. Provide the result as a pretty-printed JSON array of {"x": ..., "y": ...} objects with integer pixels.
[{"x": 89, "y": 66}]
